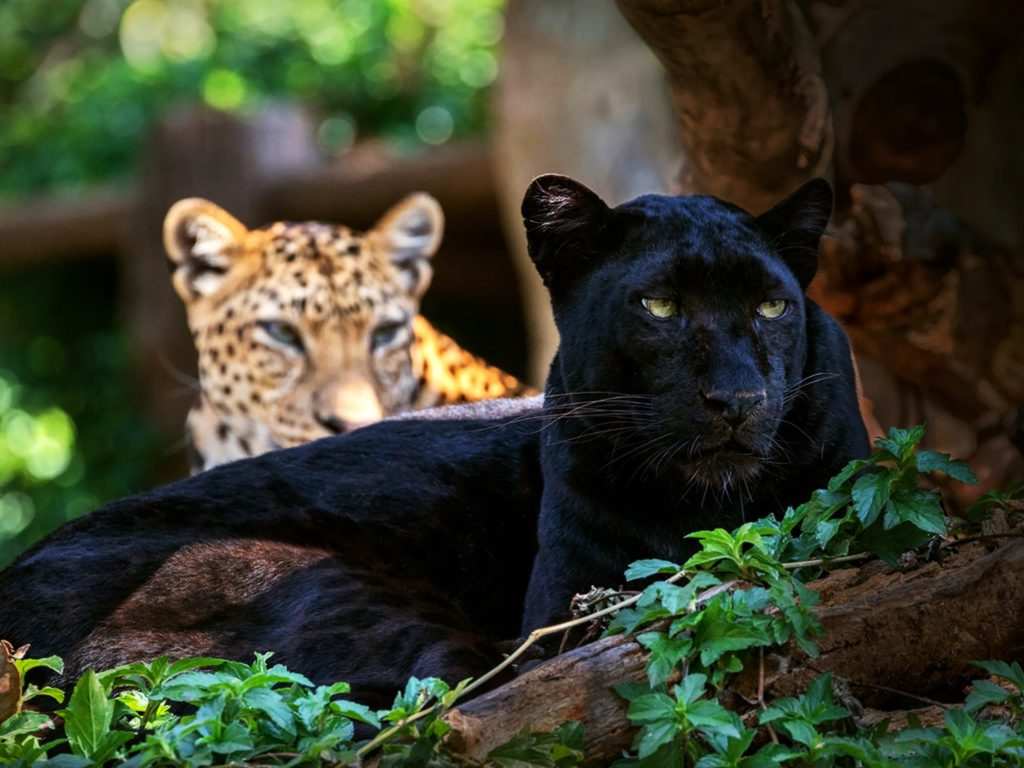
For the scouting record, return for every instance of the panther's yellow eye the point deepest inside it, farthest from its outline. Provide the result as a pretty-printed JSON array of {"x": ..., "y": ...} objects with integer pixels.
[
  {"x": 772, "y": 309},
  {"x": 660, "y": 308}
]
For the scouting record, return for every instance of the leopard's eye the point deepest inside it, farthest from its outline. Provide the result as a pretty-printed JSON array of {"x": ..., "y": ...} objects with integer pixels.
[
  {"x": 386, "y": 333},
  {"x": 772, "y": 310},
  {"x": 283, "y": 333},
  {"x": 660, "y": 308}
]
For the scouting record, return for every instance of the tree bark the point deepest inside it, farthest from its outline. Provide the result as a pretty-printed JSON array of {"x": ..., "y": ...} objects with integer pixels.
[
  {"x": 752, "y": 106},
  {"x": 915, "y": 631},
  {"x": 579, "y": 94}
]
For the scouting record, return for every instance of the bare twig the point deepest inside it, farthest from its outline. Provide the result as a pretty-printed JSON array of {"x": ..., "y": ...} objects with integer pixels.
[
  {"x": 823, "y": 561},
  {"x": 760, "y": 693},
  {"x": 532, "y": 638},
  {"x": 981, "y": 537},
  {"x": 887, "y": 689}
]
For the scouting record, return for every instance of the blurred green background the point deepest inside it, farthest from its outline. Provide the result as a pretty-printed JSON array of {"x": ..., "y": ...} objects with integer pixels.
[{"x": 81, "y": 82}]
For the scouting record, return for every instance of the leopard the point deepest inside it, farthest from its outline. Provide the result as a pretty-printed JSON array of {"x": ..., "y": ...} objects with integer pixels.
[{"x": 309, "y": 329}]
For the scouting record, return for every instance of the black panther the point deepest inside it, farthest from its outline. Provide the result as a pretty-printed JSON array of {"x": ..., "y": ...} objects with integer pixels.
[
  {"x": 400, "y": 549},
  {"x": 695, "y": 386}
]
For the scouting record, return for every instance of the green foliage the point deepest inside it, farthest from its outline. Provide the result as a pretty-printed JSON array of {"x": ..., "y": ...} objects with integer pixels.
[
  {"x": 670, "y": 722},
  {"x": 874, "y": 505},
  {"x": 1010, "y": 501},
  {"x": 562, "y": 748},
  {"x": 83, "y": 79},
  {"x": 743, "y": 593},
  {"x": 207, "y": 711},
  {"x": 963, "y": 741},
  {"x": 706, "y": 622},
  {"x": 985, "y": 693}
]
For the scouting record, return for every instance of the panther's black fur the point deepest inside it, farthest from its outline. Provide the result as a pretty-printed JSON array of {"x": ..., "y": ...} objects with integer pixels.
[
  {"x": 406, "y": 547},
  {"x": 706, "y": 418},
  {"x": 400, "y": 549}
]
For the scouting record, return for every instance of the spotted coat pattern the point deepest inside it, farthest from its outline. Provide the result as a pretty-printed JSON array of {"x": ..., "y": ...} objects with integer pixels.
[{"x": 308, "y": 329}]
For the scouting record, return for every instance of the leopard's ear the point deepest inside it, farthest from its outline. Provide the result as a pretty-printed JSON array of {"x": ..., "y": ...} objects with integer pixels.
[
  {"x": 794, "y": 227},
  {"x": 203, "y": 243},
  {"x": 410, "y": 233},
  {"x": 564, "y": 221}
]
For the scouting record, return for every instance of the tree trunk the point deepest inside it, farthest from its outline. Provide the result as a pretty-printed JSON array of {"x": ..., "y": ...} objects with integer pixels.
[
  {"x": 917, "y": 129},
  {"x": 891, "y": 636},
  {"x": 752, "y": 107},
  {"x": 579, "y": 94}
]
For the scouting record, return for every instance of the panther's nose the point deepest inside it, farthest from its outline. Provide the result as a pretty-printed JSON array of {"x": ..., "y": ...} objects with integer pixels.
[{"x": 734, "y": 406}]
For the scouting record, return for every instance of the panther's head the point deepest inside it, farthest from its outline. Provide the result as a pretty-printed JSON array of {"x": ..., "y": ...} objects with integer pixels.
[
  {"x": 302, "y": 329},
  {"x": 682, "y": 318}
]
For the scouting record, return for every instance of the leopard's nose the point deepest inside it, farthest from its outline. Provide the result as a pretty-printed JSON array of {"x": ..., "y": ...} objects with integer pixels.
[{"x": 733, "y": 406}]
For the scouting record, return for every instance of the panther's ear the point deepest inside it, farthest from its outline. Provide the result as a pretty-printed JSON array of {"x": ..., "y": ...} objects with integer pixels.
[
  {"x": 203, "y": 243},
  {"x": 564, "y": 221},
  {"x": 794, "y": 227},
  {"x": 410, "y": 233}
]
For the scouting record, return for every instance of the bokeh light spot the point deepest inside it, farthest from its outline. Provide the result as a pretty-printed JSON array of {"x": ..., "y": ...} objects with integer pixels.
[
  {"x": 336, "y": 134},
  {"x": 434, "y": 125},
  {"x": 141, "y": 32},
  {"x": 224, "y": 89},
  {"x": 16, "y": 512}
]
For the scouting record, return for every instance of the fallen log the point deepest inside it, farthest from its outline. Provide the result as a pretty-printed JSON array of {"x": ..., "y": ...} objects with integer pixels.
[{"x": 894, "y": 637}]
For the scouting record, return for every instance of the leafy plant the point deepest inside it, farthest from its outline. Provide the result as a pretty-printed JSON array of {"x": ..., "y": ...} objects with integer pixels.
[
  {"x": 562, "y": 748},
  {"x": 702, "y": 623},
  {"x": 875, "y": 505},
  {"x": 670, "y": 723}
]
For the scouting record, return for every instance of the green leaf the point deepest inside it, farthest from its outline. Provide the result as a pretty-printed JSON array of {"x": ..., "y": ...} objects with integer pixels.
[
  {"x": 631, "y": 691},
  {"x": 110, "y": 743},
  {"x": 718, "y": 634},
  {"x": 890, "y": 544},
  {"x": 933, "y": 461},
  {"x": 641, "y": 569},
  {"x": 68, "y": 761},
  {"x": 273, "y": 706},
  {"x": 277, "y": 675},
  {"x": 357, "y": 712},
  {"x": 53, "y": 663},
  {"x": 825, "y": 531},
  {"x": 666, "y": 653},
  {"x": 561, "y": 748},
  {"x": 900, "y": 443},
  {"x": 961, "y": 725},
  {"x": 24, "y": 723},
  {"x": 192, "y": 686},
  {"x": 802, "y": 732},
  {"x": 654, "y": 736},
  {"x": 651, "y": 708},
  {"x": 983, "y": 693},
  {"x": 711, "y": 715},
  {"x": 234, "y": 738},
  {"x": 1010, "y": 672},
  {"x": 839, "y": 481},
  {"x": 691, "y": 688},
  {"x": 49, "y": 691},
  {"x": 920, "y": 508},
  {"x": 869, "y": 495},
  {"x": 87, "y": 717}
]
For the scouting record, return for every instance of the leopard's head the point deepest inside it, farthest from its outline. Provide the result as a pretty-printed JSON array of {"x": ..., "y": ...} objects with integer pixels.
[{"x": 302, "y": 329}]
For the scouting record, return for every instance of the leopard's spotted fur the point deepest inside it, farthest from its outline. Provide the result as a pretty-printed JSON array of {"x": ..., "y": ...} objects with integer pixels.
[{"x": 309, "y": 329}]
